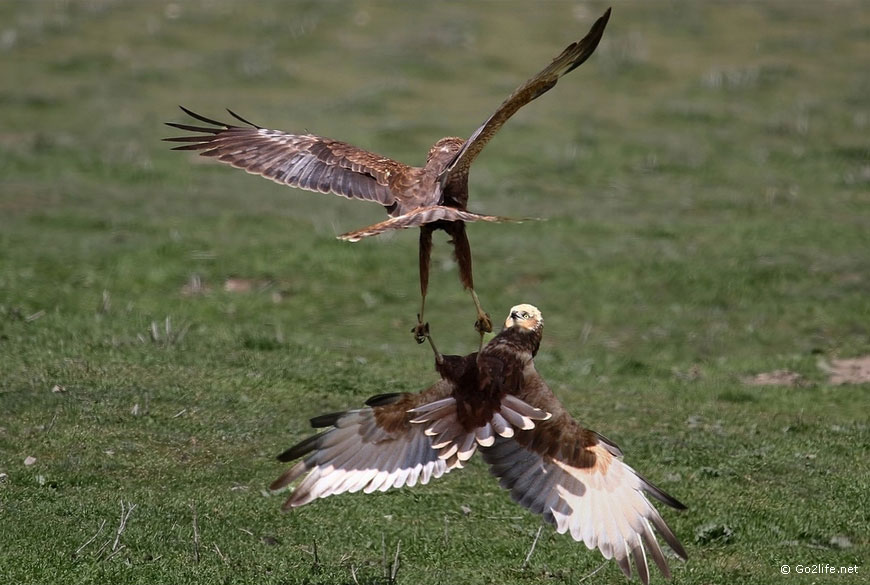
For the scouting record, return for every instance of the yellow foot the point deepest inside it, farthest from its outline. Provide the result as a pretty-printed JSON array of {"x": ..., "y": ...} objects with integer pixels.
[{"x": 420, "y": 331}]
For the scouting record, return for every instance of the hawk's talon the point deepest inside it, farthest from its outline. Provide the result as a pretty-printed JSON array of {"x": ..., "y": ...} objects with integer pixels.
[
  {"x": 483, "y": 324},
  {"x": 420, "y": 331}
]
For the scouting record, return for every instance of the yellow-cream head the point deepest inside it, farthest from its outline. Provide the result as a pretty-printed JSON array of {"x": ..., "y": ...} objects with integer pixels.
[{"x": 525, "y": 317}]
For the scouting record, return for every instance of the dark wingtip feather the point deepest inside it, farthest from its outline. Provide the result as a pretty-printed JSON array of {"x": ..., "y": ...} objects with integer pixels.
[
  {"x": 384, "y": 399},
  {"x": 281, "y": 482},
  {"x": 612, "y": 447},
  {"x": 624, "y": 566},
  {"x": 640, "y": 563},
  {"x": 590, "y": 42},
  {"x": 676, "y": 546},
  {"x": 652, "y": 545},
  {"x": 187, "y": 139},
  {"x": 601, "y": 24},
  {"x": 202, "y": 118},
  {"x": 300, "y": 449},
  {"x": 661, "y": 495},
  {"x": 240, "y": 119},
  {"x": 197, "y": 146},
  {"x": 666, "y": 533},
  {"x": 326, "y": 420},
  {"x": 190, "y": 128}
]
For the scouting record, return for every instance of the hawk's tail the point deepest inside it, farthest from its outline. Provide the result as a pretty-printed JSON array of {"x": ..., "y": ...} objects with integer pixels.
[
  {"x": 451, "y": 439},
  {"x": 422, "y": 216}
]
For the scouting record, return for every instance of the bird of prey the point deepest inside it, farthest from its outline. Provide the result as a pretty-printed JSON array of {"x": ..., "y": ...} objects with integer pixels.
[
  {"x": 431, "y": 197},
  {"x": 572, "y": 476},
  {"x": 487, "y": 381}
]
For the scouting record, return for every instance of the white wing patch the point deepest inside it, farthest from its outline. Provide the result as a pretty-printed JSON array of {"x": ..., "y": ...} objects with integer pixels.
[
  {"x": 603, "y": 506},
  {"x": 357, "y": 455}
]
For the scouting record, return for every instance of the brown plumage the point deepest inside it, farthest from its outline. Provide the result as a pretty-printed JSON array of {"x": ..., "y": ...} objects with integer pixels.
[
  {"x": 572, "y": 476},
  {"x": 502, "y": 362},
  {"x": 485, "y": 383},
  {"x": 431, "y": 197},
  {"x": 483, "y": 403}
]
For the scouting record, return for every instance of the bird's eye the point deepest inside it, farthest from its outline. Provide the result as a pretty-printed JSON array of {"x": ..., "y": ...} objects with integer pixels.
[{"x": 524, "y": 315}]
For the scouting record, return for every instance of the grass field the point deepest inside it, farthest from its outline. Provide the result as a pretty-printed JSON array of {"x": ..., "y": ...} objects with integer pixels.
[{"x": 168, "y": 325}]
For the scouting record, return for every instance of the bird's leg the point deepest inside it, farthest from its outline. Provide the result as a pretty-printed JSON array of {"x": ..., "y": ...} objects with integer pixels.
[
  {"x": 462, "y": 252},
  {"x": 483, "y": 324},
  {"x": 421, "y": 330},
  {"x": 439, "y": 359}
]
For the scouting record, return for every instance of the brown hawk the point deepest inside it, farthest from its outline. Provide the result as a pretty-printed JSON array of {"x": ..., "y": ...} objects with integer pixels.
[
  {"x": 572, "y": 476},
  {"x": 430, "y": 197}
]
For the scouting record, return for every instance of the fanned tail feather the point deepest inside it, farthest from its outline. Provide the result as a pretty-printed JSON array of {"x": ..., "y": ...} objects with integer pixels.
[
  {"x": 453, "y": 441},
  {"x": 423, "y": 216}
]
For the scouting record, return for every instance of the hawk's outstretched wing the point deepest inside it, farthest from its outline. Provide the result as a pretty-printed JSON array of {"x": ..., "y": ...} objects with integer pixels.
[
  {"x": 422, "y": 216},
  {"x": 576, "y": 479},
  {"x": 298, "y": 160},
  {"x": 572, "y": 57},
  {"x": 370, "y": 449}
]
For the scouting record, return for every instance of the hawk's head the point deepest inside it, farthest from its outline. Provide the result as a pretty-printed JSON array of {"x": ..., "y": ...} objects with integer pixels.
[
  {"x": 526, "y": 317},
  {"x": 445, "y": 148}
]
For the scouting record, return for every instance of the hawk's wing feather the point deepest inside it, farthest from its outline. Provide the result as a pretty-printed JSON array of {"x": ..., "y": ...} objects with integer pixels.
[
  {"x": 373, "y": 448},
  {"x": 572, "y": 57},
  {"x": 442, "y": 420},
  {"x": 305, "y": 161},
  {"x": 576, "y": 479},
  {"x": 422, "y": 216}
]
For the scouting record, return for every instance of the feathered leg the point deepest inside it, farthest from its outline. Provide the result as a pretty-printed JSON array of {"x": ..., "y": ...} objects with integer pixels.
[
  {"x": 421, "y": 331},
  {"x": 462, "y": 252}
]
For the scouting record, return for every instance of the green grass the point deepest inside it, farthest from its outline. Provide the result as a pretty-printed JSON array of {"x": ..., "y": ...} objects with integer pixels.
[{"x": 707, "y": 180}]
